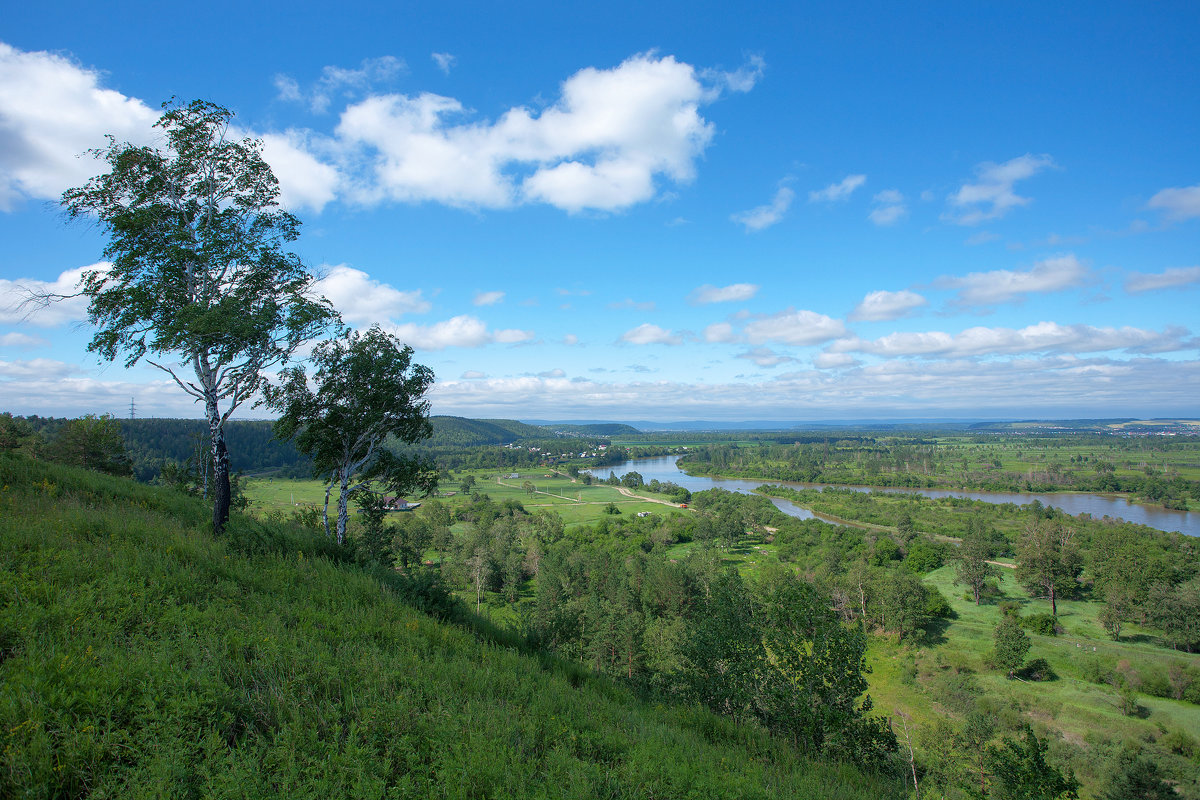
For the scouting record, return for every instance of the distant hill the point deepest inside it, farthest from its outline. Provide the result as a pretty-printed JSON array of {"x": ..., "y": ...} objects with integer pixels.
[
  {"x": 592, "y": 428},
  {"x": 463, "y": 432}
]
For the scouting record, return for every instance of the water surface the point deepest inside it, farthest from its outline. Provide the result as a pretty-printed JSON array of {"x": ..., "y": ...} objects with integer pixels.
[{"x": 663, "y": 468}]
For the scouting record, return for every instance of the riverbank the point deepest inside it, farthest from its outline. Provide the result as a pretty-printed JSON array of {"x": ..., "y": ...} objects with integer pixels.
[{"x": 1095, "y": 505}]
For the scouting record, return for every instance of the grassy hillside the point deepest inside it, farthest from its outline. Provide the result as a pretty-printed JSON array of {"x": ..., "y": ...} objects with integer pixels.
[{"x": 141, "y": 657}]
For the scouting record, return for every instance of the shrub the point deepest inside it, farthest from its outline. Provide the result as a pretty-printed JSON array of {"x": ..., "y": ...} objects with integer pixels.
[
  {"x": 1179, "y": 742},
  {"x": 1044, "y": 624},
  {"x": 1038, "y": 670},
  {"x": 936, "y": 604},
  {"x": 1010, "y": 608}
]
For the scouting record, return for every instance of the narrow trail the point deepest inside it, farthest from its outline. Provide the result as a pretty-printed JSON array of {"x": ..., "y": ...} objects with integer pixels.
[{"x": 629, "y": 493}]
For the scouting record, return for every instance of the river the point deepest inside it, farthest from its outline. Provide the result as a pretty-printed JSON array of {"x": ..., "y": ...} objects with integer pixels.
[{"x": 664, "y": 469}]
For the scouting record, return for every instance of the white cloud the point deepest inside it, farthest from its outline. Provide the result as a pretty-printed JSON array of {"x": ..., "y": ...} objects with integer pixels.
[
  {"x": 18, "y": 303},
  {"x": 1005, "y": 286},
  {"x": 512, "y": 336},
  {"x": 570, "y": 339},
  {"x": 304, "y": 180},
  {"x": 992, "y": 195},
  {"x": 363, "y": 300},
  {"x": 552, "y": 373},
  {"x": 460, "y": 331},
  {"x": 1028, "y": 385},
  {"x": 488, "y": 298},
  {"x": 734, "y": 293},
  {"x": 648, "y": 333},
  {"x": 794, "y": 327},
  {"x": 23, "y": 340},
  {"x": 340, "y": 82},
  {"x": 764, "y": 357},
  {"x": 884, "y": 305},
  {"x": 51, "y": 111},
  {"x": 1177, "y": 203},
  {"x": 1043, "y": 337},
  {"x": 837, "y": 191},
  {"x": 472, "y": 374},
  {"x": 742, "y": 79},
  {"x": 719, "y": 332},
  {"x": 889, "y": 208},
  {"x": 41, "y": 368},
  {"x": 444, "y": 61},
  {"x": 600, "y": 147},
  {"x": 756, "y": 219},
  {"x": 607, "y": 143},
  {"x": 834, "y": 360},
  {"x": 1168, "y": 279}
]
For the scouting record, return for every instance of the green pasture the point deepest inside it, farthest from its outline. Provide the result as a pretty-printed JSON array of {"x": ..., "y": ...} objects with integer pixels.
[{"x": 576, "y": 503}]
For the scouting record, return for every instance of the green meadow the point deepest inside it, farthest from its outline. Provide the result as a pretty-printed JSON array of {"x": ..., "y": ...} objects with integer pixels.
[
  {"x": 575, "y": 502},
  {"x": 141, "y": 657}
]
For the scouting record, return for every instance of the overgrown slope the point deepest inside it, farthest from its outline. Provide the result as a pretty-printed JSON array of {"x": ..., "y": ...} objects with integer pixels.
[{"x": 140, "y": 657}]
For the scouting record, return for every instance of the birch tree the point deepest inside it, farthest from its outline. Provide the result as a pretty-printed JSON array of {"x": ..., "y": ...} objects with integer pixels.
[
  {"x": 200, "y": 283},
  {"x": 365, "y": 390}
]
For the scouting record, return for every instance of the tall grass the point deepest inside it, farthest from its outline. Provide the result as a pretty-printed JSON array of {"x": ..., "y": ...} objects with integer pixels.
[{"x": 141, "y": 657}]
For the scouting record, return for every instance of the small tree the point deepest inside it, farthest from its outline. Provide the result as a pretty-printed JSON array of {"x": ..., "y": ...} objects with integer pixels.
[
  {"x": 1021, "y": 773},
  {"x": 1011, "y": 645},
  {"x": 1118, "y": 607},
  {"x": 1048, "y": 563},
  {"x": 971, "y": 564},
  {"x": 92, "y": 442},
  {"x": 18, "y": 436},
  {"x": 367, "y": 389},
  {"x": 198, "y": 271}
]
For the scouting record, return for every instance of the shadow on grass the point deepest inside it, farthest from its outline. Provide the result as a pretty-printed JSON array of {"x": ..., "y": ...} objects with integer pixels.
[{"x": 935, "y": 631}]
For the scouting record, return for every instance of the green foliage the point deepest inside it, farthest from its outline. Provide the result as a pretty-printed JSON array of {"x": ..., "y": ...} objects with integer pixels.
[
  {"x": 1020, "y": 771},
  {"x": 815, "y": 668},
  {"x": 971, "y": 566},
  {"x": 1139, "y": 778},
  {"x": 1048, "y": 561},
  {"x": 198, "y": 272},
  {"x": 1010, "y": 645},
  {"x": 142, "y": 657},
  {"x": 1037, "y": 670},
  {"x": 17, "y": 435},
  {"x": 1042, "y": 624},
  {"x": 923, "y": 555},
  {"x": 93, "y": 443},
  {"x": 366, "y": 390}
]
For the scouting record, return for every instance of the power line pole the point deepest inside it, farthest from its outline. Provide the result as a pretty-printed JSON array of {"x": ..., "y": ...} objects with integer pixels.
[{"x": 132, "y": 408}]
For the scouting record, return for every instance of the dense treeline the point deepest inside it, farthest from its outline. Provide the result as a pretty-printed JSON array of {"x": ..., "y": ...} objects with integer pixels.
[
  {"x": 456, "y": 444},
  {"x": 917, "y": 463},
  {"x": 609, "y": 597},
  {"x": 150, "y": 443}
]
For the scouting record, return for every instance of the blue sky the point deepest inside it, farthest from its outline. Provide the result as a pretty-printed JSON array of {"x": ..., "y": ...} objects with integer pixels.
[{"x": 664, "y": 211}]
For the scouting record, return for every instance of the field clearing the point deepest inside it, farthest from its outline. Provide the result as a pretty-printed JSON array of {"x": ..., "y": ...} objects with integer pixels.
[{"x": 576, "y": 503}]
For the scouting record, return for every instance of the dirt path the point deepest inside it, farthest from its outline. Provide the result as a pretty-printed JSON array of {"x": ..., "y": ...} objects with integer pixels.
[{"x": 629, "y": 493}]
